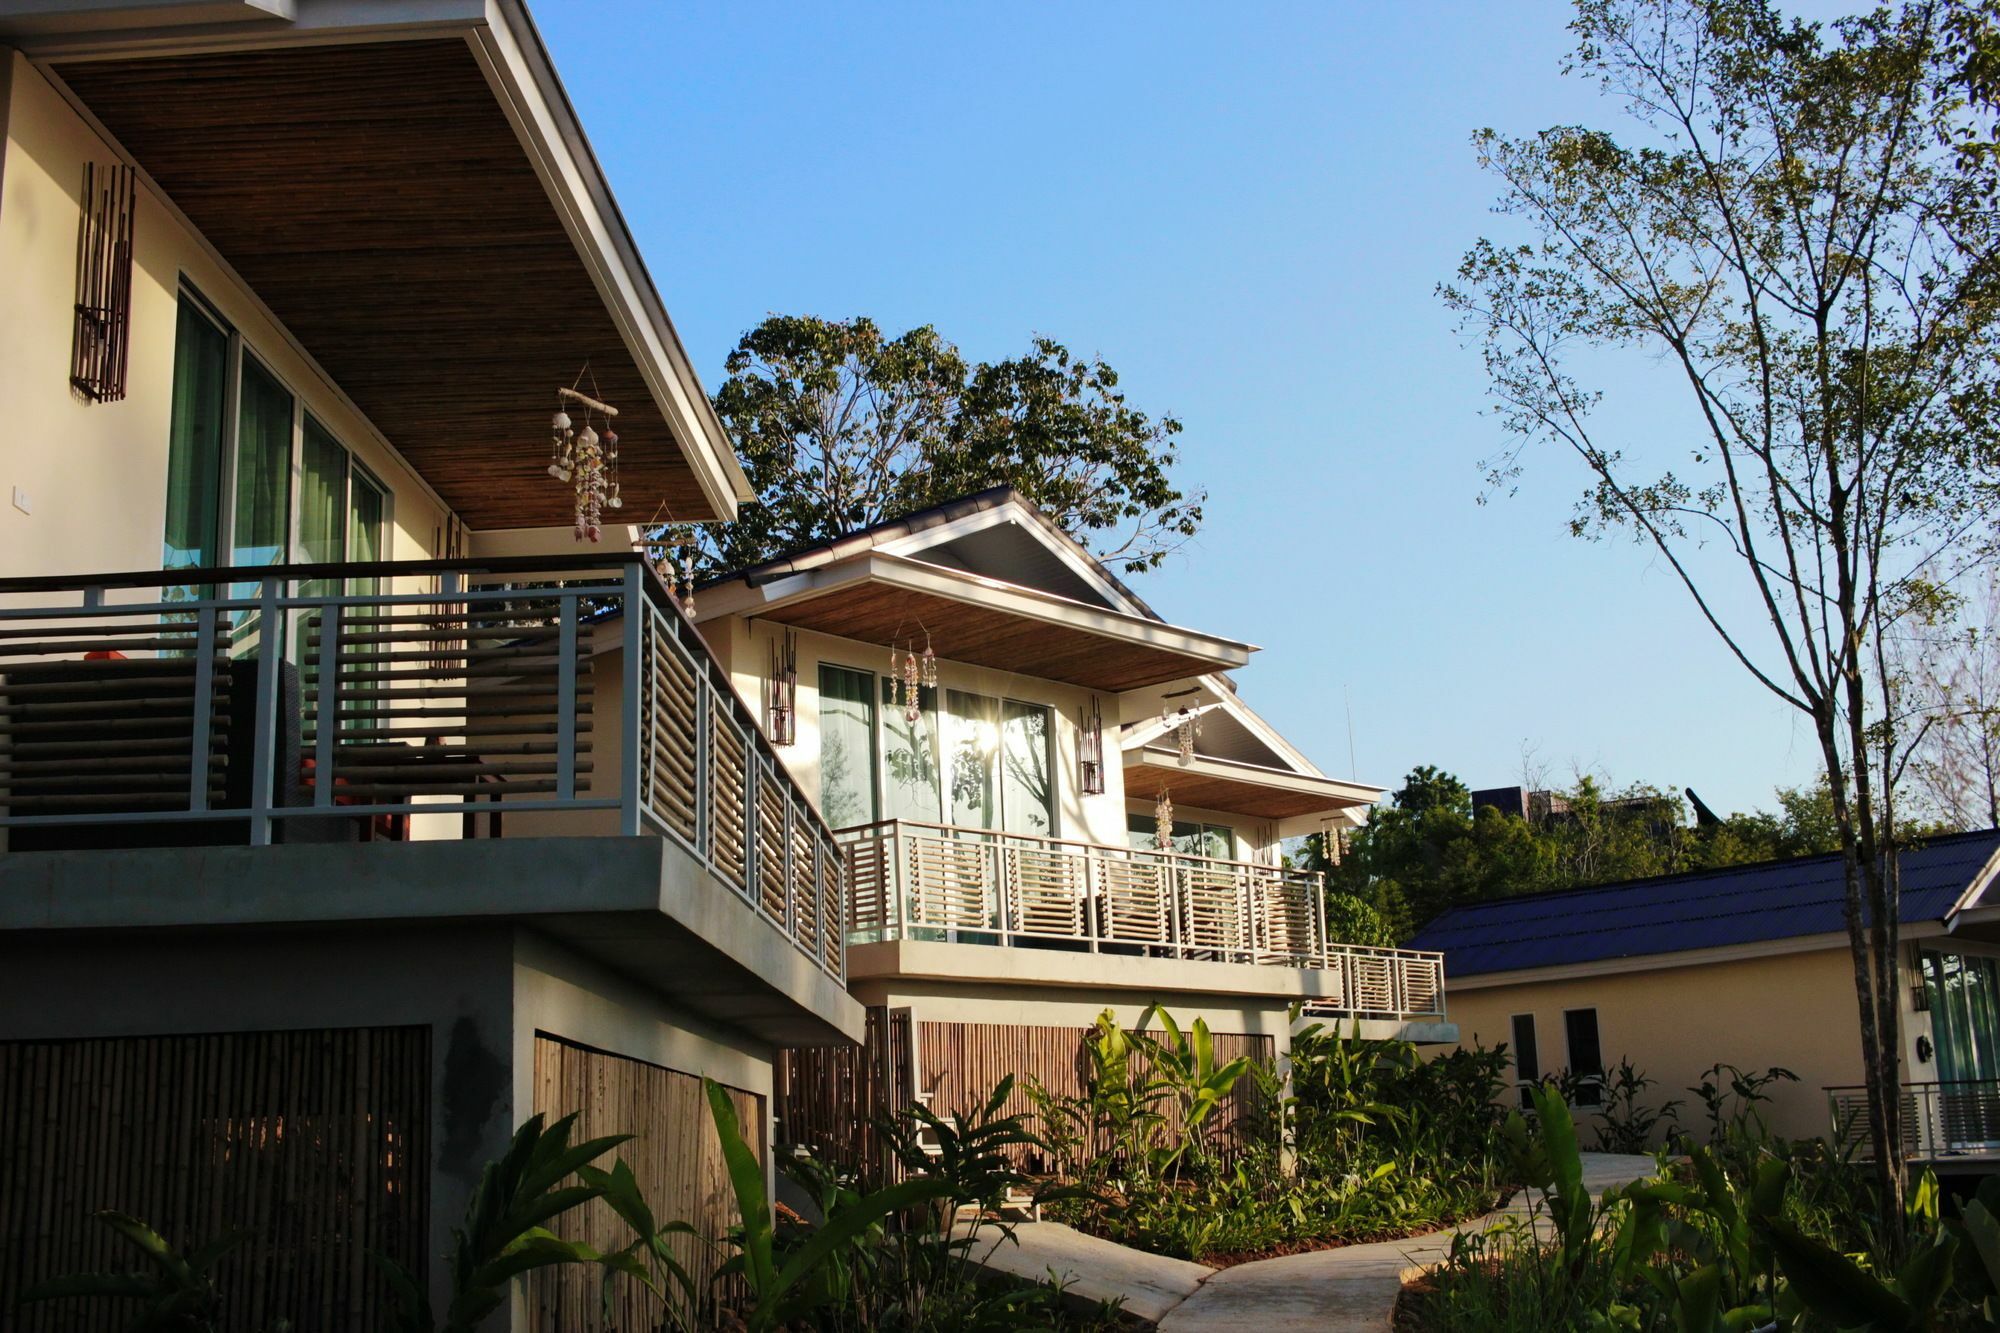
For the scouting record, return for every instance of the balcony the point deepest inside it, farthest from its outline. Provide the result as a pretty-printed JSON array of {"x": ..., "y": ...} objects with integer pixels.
[
  {"x": 528, "y": 700},
  {"x": 1954, "y": 1121},
  {"x": 934, "y": 883}
]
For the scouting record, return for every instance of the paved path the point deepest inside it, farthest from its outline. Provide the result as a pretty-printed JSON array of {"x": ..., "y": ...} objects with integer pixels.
[{"x": 1349, "y": 1290}]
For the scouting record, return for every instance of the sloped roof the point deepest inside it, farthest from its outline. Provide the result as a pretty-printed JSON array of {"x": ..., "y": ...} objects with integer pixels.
[
  {"x": 922, "y": 520},
  {"x": 1751, "y": 904}
]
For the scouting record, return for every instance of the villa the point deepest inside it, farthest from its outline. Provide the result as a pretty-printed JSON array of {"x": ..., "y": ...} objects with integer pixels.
[
  {"x": 1748, "y": 966},
  {"x": 363, "y": 789},
  {"x": 1050, "y": 802}
]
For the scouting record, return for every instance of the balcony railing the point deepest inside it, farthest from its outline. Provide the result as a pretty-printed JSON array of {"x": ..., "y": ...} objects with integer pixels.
[
  {"x": 920, "y": 881},
  {"x": 1939, "y": 1119},
  {"x": 397, "y": 700}
]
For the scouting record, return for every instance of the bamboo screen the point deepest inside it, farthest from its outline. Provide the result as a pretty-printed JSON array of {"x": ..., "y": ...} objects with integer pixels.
[
  {"x": 675, "y": 1156},
  {"x": 316, "y": 1143}
]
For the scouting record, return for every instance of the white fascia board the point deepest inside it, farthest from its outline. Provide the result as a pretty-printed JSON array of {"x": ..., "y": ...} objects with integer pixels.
[
  {"x": 1138, "y": 735},
  {"x": 519, "y": 69},
  {"x": 739, "y": 598},
  {"x": 1256, "y": 775},
  {"x": 309, "y": 22},
  {"x": 1016, "y": 512},
  {"x": 1967, "y": 900},
  {"x": 1657, "y": 962}
]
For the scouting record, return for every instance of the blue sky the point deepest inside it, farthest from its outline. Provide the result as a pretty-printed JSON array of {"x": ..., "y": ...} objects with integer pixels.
[{"x": 1245, "y": 210}]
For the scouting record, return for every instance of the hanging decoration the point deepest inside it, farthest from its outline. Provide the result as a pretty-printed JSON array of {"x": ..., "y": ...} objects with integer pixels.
[
  {"x": 100, "y": 339},
  {"x": 1090, "y": 748},
  {"x": 929, "y": 675},
  {"x": 1163, "y": 821},
  {"x": 588, "y": 461},
  {"x": 913, "y": 679},
  {"x": 781, "y": 699},
  {"x": 687, "y": 580},
  {"x": 1185, "y": 723}
]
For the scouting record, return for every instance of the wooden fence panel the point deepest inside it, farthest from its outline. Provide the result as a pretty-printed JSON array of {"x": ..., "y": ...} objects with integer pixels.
[
  {"x": 315, "y": 1142},
  {"x": 675, "y": 1156},
  {"x": 828, "y": 1097}
]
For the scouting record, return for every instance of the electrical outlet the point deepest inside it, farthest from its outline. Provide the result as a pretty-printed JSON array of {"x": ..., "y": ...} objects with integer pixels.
[{"x": 21, "y": 501}]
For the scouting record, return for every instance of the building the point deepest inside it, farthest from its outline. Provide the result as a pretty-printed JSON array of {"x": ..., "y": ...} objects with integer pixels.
[
  {"x": 999, "y": 731},
  {"x": 1747, "y": 966},
  {"x": 354, "y": 810}
]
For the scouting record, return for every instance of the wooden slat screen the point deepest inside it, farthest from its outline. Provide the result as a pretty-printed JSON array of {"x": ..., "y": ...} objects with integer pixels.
[
  {"x": 728, "y": 755},
  {"x": 770, "y": 843},
  {"x": 828, "y": 1097},
  {"x": 462, "y": 704},
  {"x": 959, "y": 1065},
  {"x": 316, "y": 1142},
  {"x": 115, "y": 733},
  {"x": 675, "y": 1156},
  {"x": 670, "y": 714},
  {"x": 948, "y": 882}
]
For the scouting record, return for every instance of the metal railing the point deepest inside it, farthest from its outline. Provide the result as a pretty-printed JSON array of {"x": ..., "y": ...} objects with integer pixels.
[
  {"x": 1958, "y": 1118},
  {"x": 920, "y": 881},
  {"x": 337, "y": 702}
]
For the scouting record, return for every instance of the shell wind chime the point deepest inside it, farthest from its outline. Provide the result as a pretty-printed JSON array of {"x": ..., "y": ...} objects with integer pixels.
[
  {"x": 1163, "y": 821},
  {"x": 1185, "y": 723},
  {"x": 585, "y": 459},
  {"x": 912, "y": 673}
]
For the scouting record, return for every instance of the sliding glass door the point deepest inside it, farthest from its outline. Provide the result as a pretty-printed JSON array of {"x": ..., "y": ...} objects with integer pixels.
[{"x": 1964, "y": 995}]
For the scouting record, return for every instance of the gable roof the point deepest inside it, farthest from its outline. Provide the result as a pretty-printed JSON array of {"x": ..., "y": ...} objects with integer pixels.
[
  {"x": 934, "y": 529},
  {"x": 1739, "y": 905}
]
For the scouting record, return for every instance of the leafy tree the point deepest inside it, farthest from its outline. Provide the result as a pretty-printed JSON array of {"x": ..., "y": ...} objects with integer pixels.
[
  {"x": 840, "y": 427},
  {"x": 1791, "y": 233}
]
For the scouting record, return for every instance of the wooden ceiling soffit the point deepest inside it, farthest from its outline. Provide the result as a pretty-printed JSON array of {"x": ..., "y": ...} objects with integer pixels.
[
  {"x": 1232, "y": 794},
  {"x": 377, "y": 199},
  {"x": 965, "y": 631}
]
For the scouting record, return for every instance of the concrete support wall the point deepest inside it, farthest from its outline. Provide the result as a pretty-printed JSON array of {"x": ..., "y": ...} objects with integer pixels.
[{"x": 483, "y": 990}]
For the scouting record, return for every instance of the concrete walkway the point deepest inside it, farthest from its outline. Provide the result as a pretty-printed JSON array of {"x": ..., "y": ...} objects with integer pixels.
[{"x": 1348, "y": 1290}]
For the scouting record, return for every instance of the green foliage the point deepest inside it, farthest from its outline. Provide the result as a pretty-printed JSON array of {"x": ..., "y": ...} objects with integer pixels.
[
  {"x": 840, "y": 427},
  {"x": 1746, "y": 1235},
  {"x": 177, "y": 1295},
  {"x": 1430, "y": 850},
  {"x": 1367, "y": 1141},
  {"x": 504, "y": 1235},
  {"x": 1628, "y": 1120}
]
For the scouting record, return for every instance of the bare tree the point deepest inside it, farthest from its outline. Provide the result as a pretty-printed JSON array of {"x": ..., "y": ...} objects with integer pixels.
[
  {"x": 1789, "y": 237},
  {"x": 1951, "y": 685}
]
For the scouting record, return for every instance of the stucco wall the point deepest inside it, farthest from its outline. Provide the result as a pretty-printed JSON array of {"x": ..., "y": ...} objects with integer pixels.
[
  {"x": 95, "y": 474},
  {"x": 1795, "y": 1010}
]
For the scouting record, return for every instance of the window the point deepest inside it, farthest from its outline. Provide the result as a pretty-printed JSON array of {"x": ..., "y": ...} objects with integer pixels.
[
  {"x": 846, "y": 746},
  {"x": 1586, "y": 1059},
  {"x": 1027, "y": 790},
  {"x": 196, "y": 440},
  {"x": 1192, "y": 839},
  {"x": 910, "y": 758},
  {"x": 264, "y": 483},
  {"x": 1527, "y": 1061}
]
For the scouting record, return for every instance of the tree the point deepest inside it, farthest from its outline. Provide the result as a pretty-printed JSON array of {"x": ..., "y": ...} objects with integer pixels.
[
  {"x": 1791, "y": 235},
  {"x": 1954, "y": 679},
  {"x": 840, "y": 427}
]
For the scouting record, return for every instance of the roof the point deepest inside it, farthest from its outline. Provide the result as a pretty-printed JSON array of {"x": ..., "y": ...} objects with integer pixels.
[
  {"x": 1738, "y": 905},
  {"x": 922, "y": 520},
  {"x": 406, "y": 191}
]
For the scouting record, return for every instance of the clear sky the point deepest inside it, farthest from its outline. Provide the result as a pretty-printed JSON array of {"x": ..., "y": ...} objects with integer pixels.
[{"x": 1245, "y": 210}]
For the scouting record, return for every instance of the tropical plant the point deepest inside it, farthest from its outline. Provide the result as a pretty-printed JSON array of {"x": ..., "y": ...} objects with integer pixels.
[
  {"x": 1627, "y": 1121},
  {"x": 177, "y": 1294},
  {"x": 1730, "y": 1096},
  {"x": 504, "y": 1235}
]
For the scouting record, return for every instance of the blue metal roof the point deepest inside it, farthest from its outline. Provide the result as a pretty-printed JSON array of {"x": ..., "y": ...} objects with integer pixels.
[{"x": 1772, "y": 900}]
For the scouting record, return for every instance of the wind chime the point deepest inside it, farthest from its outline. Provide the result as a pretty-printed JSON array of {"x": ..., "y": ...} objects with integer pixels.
[
  {"x": 1185, "y": 723},
  {"x": 1090, "y": 748},
  {"x": 913, "y": 673},
  {"x": 588, "y": 461},
  {"x": 781, "y": 698},
  {"x": 1163, "y": 821}
]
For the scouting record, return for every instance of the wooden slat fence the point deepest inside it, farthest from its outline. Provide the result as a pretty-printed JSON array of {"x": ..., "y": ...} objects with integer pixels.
[
  {"x": 828, "y": 1098},
  {"x": 675, "y": 1156},
  {"x": 316, "y": 1142}
]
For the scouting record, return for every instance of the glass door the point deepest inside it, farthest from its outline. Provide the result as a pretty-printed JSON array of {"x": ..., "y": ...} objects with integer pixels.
[{"x": 1964, "y": 994}]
